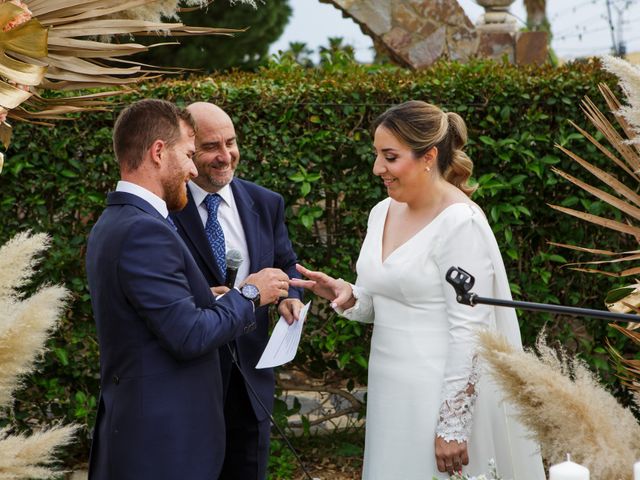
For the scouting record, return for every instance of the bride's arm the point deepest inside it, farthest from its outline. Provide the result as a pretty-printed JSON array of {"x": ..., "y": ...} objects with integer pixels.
[
  {"x": 463, "y": 246},
  {"x": 350, "y": 301},
  {"x": 362, "y": 308}
]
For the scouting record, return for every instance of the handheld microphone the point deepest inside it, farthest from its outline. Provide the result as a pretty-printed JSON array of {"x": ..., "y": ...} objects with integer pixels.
[{"x": 234, "y": 260}]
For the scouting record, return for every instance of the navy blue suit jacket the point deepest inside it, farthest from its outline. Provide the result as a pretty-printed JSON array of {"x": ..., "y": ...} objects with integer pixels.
[
  {"x": 159, "y": 328},
  {"x": 262, "y": 215}
]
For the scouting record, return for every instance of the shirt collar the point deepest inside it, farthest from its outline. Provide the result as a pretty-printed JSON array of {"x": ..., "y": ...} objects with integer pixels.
[
  {"x": 199, "y": 193},
  {"x": 156, "y": 202}
]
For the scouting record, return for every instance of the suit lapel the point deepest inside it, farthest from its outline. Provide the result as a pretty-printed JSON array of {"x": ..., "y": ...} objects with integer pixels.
[
  {"x": 190, "y": 225},
  {"x": 249, "y": 218}
]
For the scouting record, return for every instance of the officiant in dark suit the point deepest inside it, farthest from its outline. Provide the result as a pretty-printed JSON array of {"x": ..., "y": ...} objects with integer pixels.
[
  {"x": 160, "y": 413},
  {"x": 223, "y": 214}
]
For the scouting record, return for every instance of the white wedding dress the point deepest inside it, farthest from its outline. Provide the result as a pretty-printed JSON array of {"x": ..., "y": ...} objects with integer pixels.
[{"x": 422, "y": 351}]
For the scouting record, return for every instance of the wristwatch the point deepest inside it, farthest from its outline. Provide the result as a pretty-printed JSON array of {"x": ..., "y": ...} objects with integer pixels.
[{"x": 251, "y": 292}]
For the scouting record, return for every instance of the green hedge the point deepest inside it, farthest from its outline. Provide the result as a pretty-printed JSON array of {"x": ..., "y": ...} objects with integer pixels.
[{"x": 305, "y": 134}]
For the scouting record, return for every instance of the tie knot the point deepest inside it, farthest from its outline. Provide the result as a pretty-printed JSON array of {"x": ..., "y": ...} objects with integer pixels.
[{"x": 212, "y": 201}]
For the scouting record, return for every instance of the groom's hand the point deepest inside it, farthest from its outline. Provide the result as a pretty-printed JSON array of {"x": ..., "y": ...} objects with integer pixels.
[
  {"x": 451, "y": 456},
  {"x": 273, "y": 284}
]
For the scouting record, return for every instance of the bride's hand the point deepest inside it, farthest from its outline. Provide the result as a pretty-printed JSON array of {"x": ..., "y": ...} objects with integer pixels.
[
  {"x": 451, "y": 456},
  {"x": 336, "y": 290}
]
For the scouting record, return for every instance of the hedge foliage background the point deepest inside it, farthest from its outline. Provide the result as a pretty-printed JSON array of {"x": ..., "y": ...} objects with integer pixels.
[{"x": 305, "y": 133}]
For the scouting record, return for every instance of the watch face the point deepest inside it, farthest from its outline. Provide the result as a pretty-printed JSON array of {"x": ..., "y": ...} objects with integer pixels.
[{"x": 250, "y": 291}]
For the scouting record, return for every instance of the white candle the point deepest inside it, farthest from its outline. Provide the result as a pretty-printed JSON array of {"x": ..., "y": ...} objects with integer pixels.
[
  {"x": 636, "y": 471},
  {"x": 568, "y": 471}
]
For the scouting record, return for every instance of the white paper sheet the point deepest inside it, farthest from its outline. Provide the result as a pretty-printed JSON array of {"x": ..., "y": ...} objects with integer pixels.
[{"x": 284, "y": 341}]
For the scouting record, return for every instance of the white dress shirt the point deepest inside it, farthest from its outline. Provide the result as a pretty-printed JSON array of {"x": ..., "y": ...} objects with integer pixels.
[
  {"x": 230, "y": 222},
  {"x": 156, "y": 202}
]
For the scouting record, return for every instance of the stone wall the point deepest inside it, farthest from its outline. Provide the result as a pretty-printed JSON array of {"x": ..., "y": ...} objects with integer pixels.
[{"x": 416, "y": 33}]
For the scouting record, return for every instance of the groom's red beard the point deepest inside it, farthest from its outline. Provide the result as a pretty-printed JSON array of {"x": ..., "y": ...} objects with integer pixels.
[{"x": 175, "y": 193}]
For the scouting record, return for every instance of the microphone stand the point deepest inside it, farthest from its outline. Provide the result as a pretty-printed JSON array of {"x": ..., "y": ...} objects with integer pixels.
[
  {"x": 266, "y": 410},
  {"x": 462, "y": 282}
]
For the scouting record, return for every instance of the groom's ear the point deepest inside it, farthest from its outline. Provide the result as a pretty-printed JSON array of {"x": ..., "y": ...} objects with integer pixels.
[{"x": 156, "y": 152}]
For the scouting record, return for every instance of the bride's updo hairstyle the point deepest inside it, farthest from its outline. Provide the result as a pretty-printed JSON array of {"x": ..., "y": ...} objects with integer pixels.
[{"x": 422, "y": 126}]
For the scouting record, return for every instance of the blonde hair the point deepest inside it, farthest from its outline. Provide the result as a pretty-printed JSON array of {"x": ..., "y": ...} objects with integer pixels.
[{"x": 422, "y": 126}]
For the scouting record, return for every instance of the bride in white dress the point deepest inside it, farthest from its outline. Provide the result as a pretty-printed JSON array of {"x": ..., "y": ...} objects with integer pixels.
[{"x": 430, "y": 409}]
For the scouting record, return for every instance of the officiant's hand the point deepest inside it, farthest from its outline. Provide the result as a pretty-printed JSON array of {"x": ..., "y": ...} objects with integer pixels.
[
  {"x": 451, "y": 456},
  {"x": 336, "y": 290},
  {"x": 290, "y": 309}
]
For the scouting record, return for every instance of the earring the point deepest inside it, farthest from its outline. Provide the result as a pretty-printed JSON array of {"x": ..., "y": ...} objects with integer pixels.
[{"x": 428, "y": 169}]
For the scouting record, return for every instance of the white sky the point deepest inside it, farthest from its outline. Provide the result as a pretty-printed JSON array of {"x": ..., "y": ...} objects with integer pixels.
[{"x": 580, "y": 27}]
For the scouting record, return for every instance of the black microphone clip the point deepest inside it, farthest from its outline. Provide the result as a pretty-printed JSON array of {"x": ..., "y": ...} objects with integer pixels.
[{"x": 462, "y": 281}]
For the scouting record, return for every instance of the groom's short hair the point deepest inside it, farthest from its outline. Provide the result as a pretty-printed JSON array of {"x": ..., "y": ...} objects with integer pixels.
[{"x": 141, "y": 124}]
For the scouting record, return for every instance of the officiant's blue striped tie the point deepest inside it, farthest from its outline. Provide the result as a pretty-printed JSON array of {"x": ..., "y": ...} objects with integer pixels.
[{"x": 214, "y": 232}]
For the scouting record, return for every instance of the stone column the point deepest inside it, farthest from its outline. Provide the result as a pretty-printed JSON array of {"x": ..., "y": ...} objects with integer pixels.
[
  {"x": 496, "y": 17},
  {"x": 499, "y": 36}
]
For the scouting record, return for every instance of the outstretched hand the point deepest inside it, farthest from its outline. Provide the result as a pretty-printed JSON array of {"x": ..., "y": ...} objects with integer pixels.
[{"x": 336, "y": 290}]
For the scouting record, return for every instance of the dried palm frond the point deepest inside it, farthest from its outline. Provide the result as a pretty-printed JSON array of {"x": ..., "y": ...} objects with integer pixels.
[
  {"x": 624, "y": 154},
  {"x": 621, "y": 194},
  {"x": 24, "y": 327},
  {"x": 630, "y": 368},
  {"x": 79, "y": 44},
  {"x": 79, "y": 53},
  {"x": 561, "y": 402}
]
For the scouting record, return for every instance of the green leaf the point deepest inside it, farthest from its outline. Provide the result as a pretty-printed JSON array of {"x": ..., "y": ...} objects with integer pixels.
[
  {"x": 618, "y": 294},
  {"x": 68, "y": 173},
  {"x": 487, "y": 140},
  {"x": 62, "y": 355}
]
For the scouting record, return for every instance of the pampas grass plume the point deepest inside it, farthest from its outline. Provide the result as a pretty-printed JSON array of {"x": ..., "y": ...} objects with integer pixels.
[
  {"x": 565, "y": 408},
  {"x": 18, "y": 257},
  {"x": 629, "y": 76},
  {"x": 25, "y": 324},
  {"x": 31, "y": 456},
  {"x": 23, "y": 333}
]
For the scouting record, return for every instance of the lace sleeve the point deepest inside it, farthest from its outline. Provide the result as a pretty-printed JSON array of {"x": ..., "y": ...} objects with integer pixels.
[
  {"x": 462, "y": 243},
  {"x": 456, "y": 412},
  {"x": 362, "y": 311}
]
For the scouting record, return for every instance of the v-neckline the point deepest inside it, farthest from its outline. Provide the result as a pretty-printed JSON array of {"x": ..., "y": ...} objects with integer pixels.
[{"x": 408, "y": 240}]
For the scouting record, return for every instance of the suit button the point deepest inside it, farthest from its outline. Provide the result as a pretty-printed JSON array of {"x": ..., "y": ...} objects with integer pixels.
[{"x": 116, "y": 379}]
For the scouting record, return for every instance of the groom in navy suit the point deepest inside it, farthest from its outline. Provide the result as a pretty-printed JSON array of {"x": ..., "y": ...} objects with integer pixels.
[
  {"x": 160, "y": 414},
  {"x": 251, "y": 221}
]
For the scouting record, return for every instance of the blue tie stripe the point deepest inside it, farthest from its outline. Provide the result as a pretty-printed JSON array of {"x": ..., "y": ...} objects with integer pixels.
[{"x": 214, "y": 232}]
